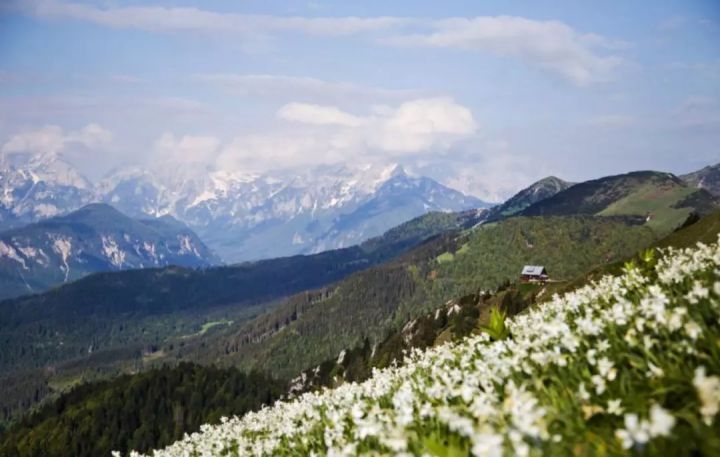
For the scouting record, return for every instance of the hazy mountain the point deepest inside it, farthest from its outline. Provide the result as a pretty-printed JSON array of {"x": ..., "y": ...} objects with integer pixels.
[
  {"x": 400, "y": 198},
  {"x": 41, "y": 187},
  {"x": 241, "y": 216},
  {"x": 92, "y": 239},
  {"x": 708, "y": 178},
  {"x": 263, "y": 216}
]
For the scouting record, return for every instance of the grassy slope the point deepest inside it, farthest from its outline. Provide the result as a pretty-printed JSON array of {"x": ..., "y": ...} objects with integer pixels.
[
  {"x": 708, "y": 178},
  {"x": 666, "y": 199},
  {"x": 658, "y": 200},
  {"x": 628, "y": 366},
  {"x": 705, "y": 231}
]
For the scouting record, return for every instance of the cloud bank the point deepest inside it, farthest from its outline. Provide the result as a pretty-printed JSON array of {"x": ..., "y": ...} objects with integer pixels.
[
  {"x": 52, "y": 140},
  {"x": 317, "y": 134}
]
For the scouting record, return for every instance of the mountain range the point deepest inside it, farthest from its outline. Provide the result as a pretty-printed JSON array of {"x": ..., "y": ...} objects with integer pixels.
[
  {"x": 99, "y": 238},
  {"x": 239, "y": 216},
  {"x": 93, "y": 239},
  {"x": 284, "y": 316}
]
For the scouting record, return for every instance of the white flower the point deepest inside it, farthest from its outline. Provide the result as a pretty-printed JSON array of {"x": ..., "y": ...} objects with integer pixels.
[
  {"x": 606, "y": 369},
  {"x": 487, "y": 445},
  {"x": 600, "y": 384},
  {"x": 635, "y": 431},
  {"x": 693, "y": 330},
  {"x": 661, "y": 421},
  {"x": 492, "y": 392},
  {"x": 583, "y": 393},
  {"x": 603, "y": 345},
  {"x": 708, "y": 390},
  {"x": 654, "y": 371},
  {"x": 614, "y": 407},
  {"x": 698, "y": 292}
]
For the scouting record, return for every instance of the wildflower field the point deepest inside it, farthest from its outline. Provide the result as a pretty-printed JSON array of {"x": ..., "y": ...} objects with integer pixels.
[{"x": 628, "y": 365}]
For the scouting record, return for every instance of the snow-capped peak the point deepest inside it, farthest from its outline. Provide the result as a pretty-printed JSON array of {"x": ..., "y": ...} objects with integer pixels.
[
  {"x": 241, "y": 215},
  {"x": 52, "y": 169}
]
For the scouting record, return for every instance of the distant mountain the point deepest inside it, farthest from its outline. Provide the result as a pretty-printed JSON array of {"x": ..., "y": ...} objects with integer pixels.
[
  {"x": 92, "y": 239},
  {"x": 708, "y": 178},
  {"x": 662, "y": 200},
  {"x": 532, "y": 194},
  {"x": 400, "y": 198},
  {"x": 43, "y": 186},
  {"x": 248, "y": 217},
  {"x": 241, "y": 216}
]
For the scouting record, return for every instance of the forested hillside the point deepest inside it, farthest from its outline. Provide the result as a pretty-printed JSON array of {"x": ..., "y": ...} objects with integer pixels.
[
  {"x": 313, "y": 327},
  {"x": 141, "y": 411},
  {"x": 114, "y": 322}
]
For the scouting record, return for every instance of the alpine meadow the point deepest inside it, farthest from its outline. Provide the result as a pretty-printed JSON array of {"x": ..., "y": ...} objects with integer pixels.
[{"x": 314, "y": 228}]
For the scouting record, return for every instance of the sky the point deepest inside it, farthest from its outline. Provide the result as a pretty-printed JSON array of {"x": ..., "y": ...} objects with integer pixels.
[{"x": 483, "y": 96}]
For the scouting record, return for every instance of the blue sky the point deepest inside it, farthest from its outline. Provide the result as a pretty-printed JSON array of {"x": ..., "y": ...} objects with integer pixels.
[{"x": 484, "y": 96}]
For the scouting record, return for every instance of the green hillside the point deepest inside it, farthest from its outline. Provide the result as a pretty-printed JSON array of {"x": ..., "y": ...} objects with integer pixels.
[
  {"x": 310, "y": 328},
  {"x": 142, "y": 411},
  {"x": 661, "y": 199}
]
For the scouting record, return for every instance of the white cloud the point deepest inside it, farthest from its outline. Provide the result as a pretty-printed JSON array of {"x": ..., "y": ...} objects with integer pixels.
[
  {"x": 492, "y": 170},
  {"x": 52, "y": 139},
  {"x": 282, "y": 150},
  {"x": 412, "y": 127},
  {"x": 551, "y": 45},
  {"x": 421, "y": 124},
  {"x": 697, "y": 113},
  {"x": 127, "y": 79},
  {"x": 187, "y": 149},
  {"x": 316, "y": 134}
]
